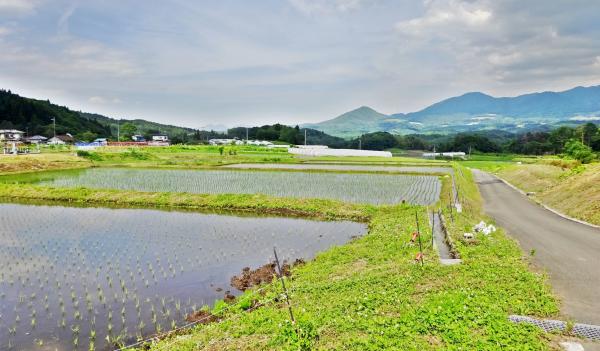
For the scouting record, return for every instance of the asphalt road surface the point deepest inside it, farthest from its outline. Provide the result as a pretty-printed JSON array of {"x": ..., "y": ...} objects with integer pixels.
[{"x": 569, "y": 251}]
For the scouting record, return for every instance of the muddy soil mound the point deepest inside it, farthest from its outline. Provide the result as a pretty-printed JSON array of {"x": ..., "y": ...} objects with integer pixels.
[
  {"x": 202, "y": 317},
  {"x": 261, "y": 275}
]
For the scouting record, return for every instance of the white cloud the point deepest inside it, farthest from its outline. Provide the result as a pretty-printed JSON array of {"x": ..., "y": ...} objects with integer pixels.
[
  {"x": 63, "y": 21},
  {"x": 312, "y": 7},
  {"x": 100, "y": 100},
  {"x": 97, "y": 100},
  {"x": 499, "y": 46},
  {"x": 4, "y": 31},
  {"x": 445, "y": 13},
  {"x": 17, "y": 7}
]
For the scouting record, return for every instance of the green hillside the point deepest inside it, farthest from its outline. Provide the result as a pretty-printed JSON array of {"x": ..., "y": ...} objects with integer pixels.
[
  {"x": 143, "y": 127},
  {"x": 351, "y": 124},
  {"x": 35, "y": 117}
]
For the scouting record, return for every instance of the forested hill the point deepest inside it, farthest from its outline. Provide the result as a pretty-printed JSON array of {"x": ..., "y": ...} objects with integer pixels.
[
  {"x": 142, "y": 126},
  {"x": 35, "y": 117}
]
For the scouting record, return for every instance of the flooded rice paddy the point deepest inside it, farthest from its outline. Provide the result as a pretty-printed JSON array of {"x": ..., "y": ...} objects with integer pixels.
[
  {"x": 373, "y": 188},
  {"x": 70, "y": 277},
  {"x": 344, "y": 167}
]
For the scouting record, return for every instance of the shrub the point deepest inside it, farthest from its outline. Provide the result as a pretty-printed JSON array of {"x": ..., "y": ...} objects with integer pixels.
[
  {"x": 577, "y": 150},
  {"x": 89, "y": 155}
]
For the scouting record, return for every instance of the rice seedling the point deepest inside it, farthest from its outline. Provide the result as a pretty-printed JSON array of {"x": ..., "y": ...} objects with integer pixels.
[
  {"x": 360, "y": 188},
  {"x": 132, "y": 263}
]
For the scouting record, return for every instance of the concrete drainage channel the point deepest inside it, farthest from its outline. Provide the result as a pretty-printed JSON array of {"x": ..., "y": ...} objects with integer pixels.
[{"x": 441, "y": 240}]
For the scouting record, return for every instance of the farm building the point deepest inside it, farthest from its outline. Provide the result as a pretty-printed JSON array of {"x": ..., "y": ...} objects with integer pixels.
[
  {"x": 338, "y": 152},
  {"x": 36, "y": 139},
  {"x": 160, "y": 137},
  {"x": 101, "y": 141},
  {"x": 61, "y": 139},
  {"x": 259, "y": 142},
  {"x": 444, "y": 154},
  {"x": 312, "y": 146},
  {"x": 225, "y": 142},
  {"x": 11, "y": 135}
]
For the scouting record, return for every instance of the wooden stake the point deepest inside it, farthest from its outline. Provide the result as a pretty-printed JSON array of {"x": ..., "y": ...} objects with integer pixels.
[
  {"x": 287, "y": 297},
  {"x": 419, "y": 236}
]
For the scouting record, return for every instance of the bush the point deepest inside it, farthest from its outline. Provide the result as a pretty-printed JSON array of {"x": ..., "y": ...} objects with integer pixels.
[
  {"x": 89, "y": 155},
  {"x": 577, "y": 150}
]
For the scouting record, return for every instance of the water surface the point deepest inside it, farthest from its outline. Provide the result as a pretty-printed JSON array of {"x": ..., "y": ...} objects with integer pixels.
[
  {"x": 373, "y": 188},
  {"x": 65, "y": 272}
]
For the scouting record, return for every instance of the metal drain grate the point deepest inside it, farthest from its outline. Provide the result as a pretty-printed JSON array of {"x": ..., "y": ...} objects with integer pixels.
[{"x": 583, "y": 330}]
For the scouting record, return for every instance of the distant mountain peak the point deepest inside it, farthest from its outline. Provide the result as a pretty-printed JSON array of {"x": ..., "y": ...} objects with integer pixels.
[
  {"x": 364, "y": 108},
  {"x": 475, "y": 94},
  {"x": 473, "y": 111}
]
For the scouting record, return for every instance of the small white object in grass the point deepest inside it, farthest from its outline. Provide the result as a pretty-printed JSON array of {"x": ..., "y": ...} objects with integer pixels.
[
  {"x": 571, "y": 346},
  {"x": 458, "y": 207},
  {"x": 468, "y": 235},
  {"x": 484, "y": 228}
]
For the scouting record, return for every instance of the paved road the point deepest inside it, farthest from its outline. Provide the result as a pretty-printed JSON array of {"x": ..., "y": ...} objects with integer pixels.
[{"x": 569, "y": 251}]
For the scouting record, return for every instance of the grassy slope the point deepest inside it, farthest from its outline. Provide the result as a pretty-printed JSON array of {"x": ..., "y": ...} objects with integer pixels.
[
  {"x": 35, "y": 162},
  {"x": 575, "y": 192}
]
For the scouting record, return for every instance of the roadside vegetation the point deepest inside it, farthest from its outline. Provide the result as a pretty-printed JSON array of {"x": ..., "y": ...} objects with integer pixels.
[{"x": 568, "y": 187}]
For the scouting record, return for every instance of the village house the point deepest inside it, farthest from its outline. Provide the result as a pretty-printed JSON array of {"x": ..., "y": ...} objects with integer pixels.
[
  {"x": 36, "y": 139},
  {"x": 61, "y": 139},
  {"x": 138, "y": 138},
  {"x": 8, "y": 135},
  {"x": 160, "y": 137}
]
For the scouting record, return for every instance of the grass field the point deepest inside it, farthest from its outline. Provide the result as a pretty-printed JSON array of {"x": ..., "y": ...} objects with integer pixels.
[{"x": 36, "y": 162}]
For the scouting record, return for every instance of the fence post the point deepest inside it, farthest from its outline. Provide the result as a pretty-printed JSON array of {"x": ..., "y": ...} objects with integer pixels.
[
  {"x": 419, "y": 236},
  {"x": 432, "y": 227},
  {"x": 287, "y": 297}
]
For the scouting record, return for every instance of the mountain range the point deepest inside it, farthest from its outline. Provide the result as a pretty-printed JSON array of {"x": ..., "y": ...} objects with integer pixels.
[{"x": 474, "y": 111}]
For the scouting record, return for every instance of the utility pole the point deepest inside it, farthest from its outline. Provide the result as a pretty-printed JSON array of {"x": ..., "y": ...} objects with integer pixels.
[
  {"x": 54, "y": 125},
  {"x": 304, "y": 137},
  {"x": 246, "y": 135},
  {"x": 434, "y": 152},
  {"x": 469, "y": 152},
  {"x": 360, "y": 142},
  {"x": 118, "y": 130}
]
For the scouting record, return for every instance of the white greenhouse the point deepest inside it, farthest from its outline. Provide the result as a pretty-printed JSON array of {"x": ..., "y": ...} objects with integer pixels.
[{"x": 338, "y": 152}]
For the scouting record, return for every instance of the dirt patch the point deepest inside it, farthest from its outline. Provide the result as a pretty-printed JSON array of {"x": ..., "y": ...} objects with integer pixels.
[
  {"x": 261, "y": 275},
  {"x": 202, "y": 317},
  {"x": 229, "y": 298}
]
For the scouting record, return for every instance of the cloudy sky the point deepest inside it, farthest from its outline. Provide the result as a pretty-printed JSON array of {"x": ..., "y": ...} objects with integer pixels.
[{"x": 239, "y": 62}]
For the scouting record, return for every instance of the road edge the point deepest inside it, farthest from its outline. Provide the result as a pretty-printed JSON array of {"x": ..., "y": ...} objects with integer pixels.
[{"x": 534, "y": 200}]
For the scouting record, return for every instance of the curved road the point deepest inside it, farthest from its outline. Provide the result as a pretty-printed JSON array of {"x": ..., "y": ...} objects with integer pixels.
[{"x": 568, "y": 250}]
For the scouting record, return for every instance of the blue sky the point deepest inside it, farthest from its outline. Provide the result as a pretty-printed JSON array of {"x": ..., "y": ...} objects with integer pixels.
[{"x": 238, "y": 62}]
